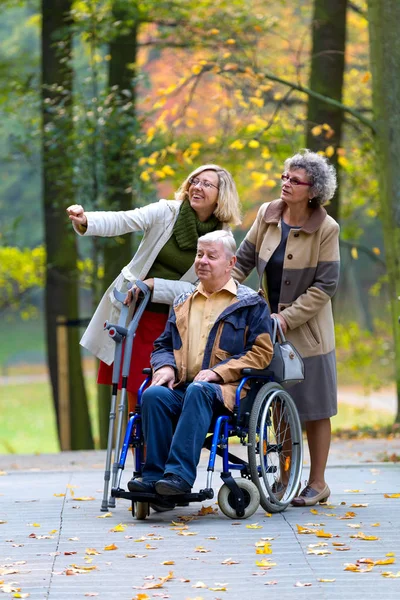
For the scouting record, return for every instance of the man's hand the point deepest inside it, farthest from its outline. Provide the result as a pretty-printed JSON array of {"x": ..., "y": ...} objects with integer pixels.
[
  {"x": 281, "y": 321},
  {"x": 77, "y": 214},
  {"x": 208, "y": 375},
  {"x": 134, "y": 291},
  {"x": 164, "y": 376}
]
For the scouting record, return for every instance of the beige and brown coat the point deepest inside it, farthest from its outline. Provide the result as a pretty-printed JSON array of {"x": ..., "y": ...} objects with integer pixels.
[{"x": 309, "y": 280}]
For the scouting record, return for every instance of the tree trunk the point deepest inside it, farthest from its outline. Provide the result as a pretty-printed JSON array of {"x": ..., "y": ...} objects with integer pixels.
[
  {"x": 327, "y": 68},
  {"x": 384, "y": 19},
  {"x": 120, "y": 160},
  {"x": 61, "y": 291}
]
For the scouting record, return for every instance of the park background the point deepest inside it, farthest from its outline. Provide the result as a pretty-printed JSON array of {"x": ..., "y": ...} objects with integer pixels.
[{"x": 110, "y": 104}]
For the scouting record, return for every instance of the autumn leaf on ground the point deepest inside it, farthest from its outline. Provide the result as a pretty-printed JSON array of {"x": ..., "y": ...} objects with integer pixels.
[
  {"x": 254, "y": 526},
  {"x": 353, "y": 491},
  {"x": 218, "y": 589},
  {"x": 299, "y": 584},
  {"x": 354, "y": 525},
  {"x": 391, "y": 495},
  {"x": 230, "y": 561},
  {"x": 326, "y": 580},
  {"x": 343, "y": 548},
  {"x": 207, "y": 510},
  {"x": 199, "y": 584},
  {"x": 155, "y": 585},
  {"x": 362, "y": 536},
  {"x": 135, "y": 555},
  {"x": 150, "y": 547},
  {"x": 141, "y": 597},
  {"x": 105, "y": 516},
  {"x": 270, "y": 583},
  {"x": 59, "y": 495},
  {"x": 186, "y": 533},
  {"x": 318, "y": 552},
  {"x": 265, "y": 563},
  {"x": 119, "y": 527},
  {"x": 266, "y": 549},
  {"x": 318, "y": 545},
  {"x": 375, "y": 524},
  {"x": 390, "y": 575},
  {"x": 168, "y": 562},
  {"x": 357, "y": 569},
  {"x": 323, "y": 534},
  {"x": 385, "y": 561},
  {"x": 19, "y": 595},
  {"x": 83, "y": 498},
  {"x": 314, "y": 511},
  {"x": 201, "y": 549},
  {"x": 305, "y": 530},
  {"x": 359, "y": 505},
  {"x": 348, "y": 515},
  {"x": 92, "y": 594},
  {"x": 92, "y": 551},
  {"x": 110, "y": 547}
]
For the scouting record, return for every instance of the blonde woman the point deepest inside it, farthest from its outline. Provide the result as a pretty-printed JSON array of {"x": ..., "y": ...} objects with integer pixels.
[{"x": 207, "y": 200}]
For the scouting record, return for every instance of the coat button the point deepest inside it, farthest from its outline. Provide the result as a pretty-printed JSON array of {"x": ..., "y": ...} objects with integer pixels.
[
  {"x": 290, "y": 256},
  {"x": 287, "y": 282},
  {"x": 296, "y": 235}
]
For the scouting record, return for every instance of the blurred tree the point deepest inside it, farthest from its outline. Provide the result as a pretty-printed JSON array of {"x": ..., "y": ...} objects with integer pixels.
[
  {"x": 61, "y": 291},
  {"x": 324, "y": 122},
  {"x": 384, "y": 18}
]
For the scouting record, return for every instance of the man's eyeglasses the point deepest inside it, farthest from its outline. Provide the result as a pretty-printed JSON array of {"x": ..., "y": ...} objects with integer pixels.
[
  {"x": 203, "y": 184},
  {"x": 293, "y": 181}
]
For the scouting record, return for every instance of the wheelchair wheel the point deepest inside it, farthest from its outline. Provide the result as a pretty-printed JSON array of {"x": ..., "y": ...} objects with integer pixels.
[
  {"x": 141, "y": 510},
  {"x": 275, "y": 450},
  {"x": 251, "y": 499}
]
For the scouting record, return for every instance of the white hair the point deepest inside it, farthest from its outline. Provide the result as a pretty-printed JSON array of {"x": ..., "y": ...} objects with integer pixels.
[{"x": 220, "y": 235}]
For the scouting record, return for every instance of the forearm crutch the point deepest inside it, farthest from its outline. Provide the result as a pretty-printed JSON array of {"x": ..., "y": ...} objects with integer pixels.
[
  {"x": 131, "y": 332},
  {"x": 118, "y": 334}
]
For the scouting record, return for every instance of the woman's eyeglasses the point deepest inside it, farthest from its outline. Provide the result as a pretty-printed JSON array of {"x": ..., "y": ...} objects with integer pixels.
[
  {"x": 293, "y": 181},
  {"x": 203, "y": 184}
]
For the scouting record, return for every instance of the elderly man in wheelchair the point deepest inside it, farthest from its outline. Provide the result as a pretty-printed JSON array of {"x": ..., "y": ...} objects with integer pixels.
[{"x": 213, "y": 336}]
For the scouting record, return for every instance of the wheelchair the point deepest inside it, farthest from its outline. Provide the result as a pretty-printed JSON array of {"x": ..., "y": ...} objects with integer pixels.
[{"x": 266, "y": 422}]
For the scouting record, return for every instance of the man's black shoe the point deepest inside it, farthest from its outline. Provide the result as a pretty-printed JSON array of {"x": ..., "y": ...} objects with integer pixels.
[
  {"x": 148, "y": 487},
  {"x": 135, "y": 485},
  {"x": 172, "y": 485}
]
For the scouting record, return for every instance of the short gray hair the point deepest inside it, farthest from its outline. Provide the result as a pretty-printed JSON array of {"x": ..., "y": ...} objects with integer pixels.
[
  {"x": 220, "y": 235},
  {"x": 322, "y": 175}
]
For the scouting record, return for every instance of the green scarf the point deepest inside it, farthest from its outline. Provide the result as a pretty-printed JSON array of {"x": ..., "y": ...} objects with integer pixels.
[{"x": 188, "y": 228}]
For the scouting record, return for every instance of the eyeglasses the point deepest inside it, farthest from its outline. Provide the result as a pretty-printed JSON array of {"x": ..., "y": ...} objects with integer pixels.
[
  {"x": 293, "y": 181},
  {"x": 203, "y": 184}
]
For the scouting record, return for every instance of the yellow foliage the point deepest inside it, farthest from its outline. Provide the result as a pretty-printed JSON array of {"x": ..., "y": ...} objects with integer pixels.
[
  {"x": 254, "y": 144},
  {"x": 144, "y": 176},
  {"x": 317, "y": 130},
  {"x": 329, "y": 151}
]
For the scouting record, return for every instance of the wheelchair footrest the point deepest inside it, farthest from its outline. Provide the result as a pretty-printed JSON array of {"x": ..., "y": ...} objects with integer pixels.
[{"x": 205, "y": 494}]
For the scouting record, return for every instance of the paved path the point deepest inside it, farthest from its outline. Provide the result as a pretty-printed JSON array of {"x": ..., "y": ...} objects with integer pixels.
[{"x": 47, "y": 531}]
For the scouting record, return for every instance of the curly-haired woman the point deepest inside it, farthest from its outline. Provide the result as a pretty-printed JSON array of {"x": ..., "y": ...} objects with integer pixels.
[{"x": 294, "y": 245}]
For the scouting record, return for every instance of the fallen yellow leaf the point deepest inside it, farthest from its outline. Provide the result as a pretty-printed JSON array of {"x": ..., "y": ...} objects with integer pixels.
[
  {"x": 59, "y": 495},
  {"x": 326, "y": 580},
  {"x": 229, "y": 561},
  {"x": 105, "y": 516},
  {"x": 266, "y": 549},
  {"x": 359, "y": 505},
  {"x": 254, "y": 526},
  {"x": 265, "y": 563},
  {"x": 299, "y": 584},
  {"x": 83, "y": 498},
  {"x": 168, "y": 562},
  {"x": 199, "y": 584},
  {"x": 357, "y": 568},
  {"x": 91, "y": 552},
  {"x": 362, "y": 536},
  {"x": 391, "y": 575},
  {"x": 391, "y": 495},
  {"x": 387, "y": 561},
  {"x": 111, "y": 547},
  {"x": 323, "y": 534},
  {"x": 119, "y": 527}
]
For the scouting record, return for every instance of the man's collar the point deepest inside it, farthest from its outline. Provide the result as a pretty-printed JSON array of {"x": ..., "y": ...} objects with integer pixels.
[{"x": 230, "y": 287}]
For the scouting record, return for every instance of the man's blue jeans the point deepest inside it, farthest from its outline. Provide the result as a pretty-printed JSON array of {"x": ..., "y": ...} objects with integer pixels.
[{"x": 175, "y": 424}]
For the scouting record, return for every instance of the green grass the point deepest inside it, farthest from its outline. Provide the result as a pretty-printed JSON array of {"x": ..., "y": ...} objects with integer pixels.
[
  {"x": 28, "y": 418},
  {"x": 28, "y": 421}
]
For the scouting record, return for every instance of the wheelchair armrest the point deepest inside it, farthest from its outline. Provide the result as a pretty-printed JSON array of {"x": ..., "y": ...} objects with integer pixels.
[
  {"x": 146, "y": 371},
  {"x": 257, "y": 372}
]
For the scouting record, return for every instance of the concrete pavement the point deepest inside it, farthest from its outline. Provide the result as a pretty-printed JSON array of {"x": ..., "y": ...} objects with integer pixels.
[{"x": 51, "y": 532}]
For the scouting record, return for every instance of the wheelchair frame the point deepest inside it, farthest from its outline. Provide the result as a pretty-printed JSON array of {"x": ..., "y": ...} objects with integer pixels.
[
  {"x": 271, "y": 430},
  {"x": 265, "y": 421}
]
